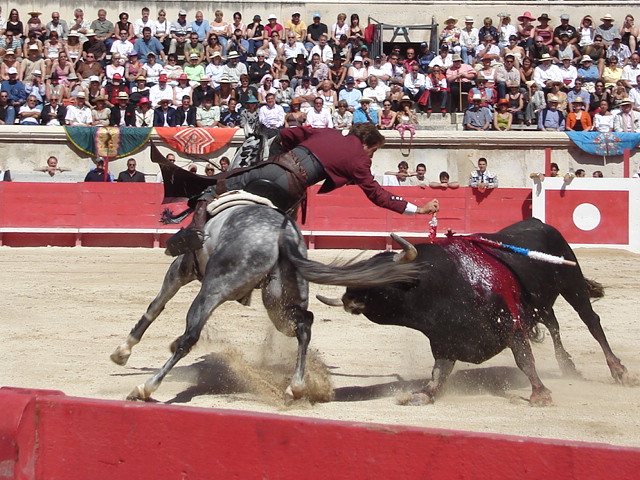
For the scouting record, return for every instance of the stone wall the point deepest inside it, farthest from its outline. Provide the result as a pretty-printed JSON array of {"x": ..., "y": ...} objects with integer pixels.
[{"x": 512, "y": 155}]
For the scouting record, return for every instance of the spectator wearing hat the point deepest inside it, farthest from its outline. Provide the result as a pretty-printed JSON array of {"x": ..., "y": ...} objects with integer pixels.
[
  {"x": 350, "y": 94},
  {"x": 79, "y": 115},
  {"x": 34, "y": 61},
  {"x": 152, "y": 69},
  {"x": 322, "y": 48},
  {"x": 139, "y": 90},
  {"x": 546, "y": 72},
  {"x": 487, "y": 94},
  {"x": 144, "y": 113},
  {"x": 568, "y": 73},
  {"x": 477, "y": 117},
  {"x": 628, "y": 120},
  {"x": 9, "y": 62},
  {"x": 436, "y": 84},
  {"x": 215, "y": 69},
  {"x": 35, "y": 86},
  {"x": 565, "y": 27},
  {"x": 469, "y": 40},
  {"x": 10, "y": 42},
  {"x": 459, "y": 78},
  {"x": 578, "y": 91},
  {"x": 266, "y": 87},
  {"x": 588, "y": 72},
  {"x": 364, "y": 113},
  {"x": 619, "y": 50},
  {"x": 148, "y": 44},
  {"x": 244, "y": 90},
  {"x": 165, "y": 114},
  {"x": 183, "y": 88},
  {"x": 94, "y": 46},
  {"x": 314, "y": 31},
  {"x": 505, "y": 30},
  {"x": 502, "y": 117},
  {"x": 250, "y": 117},
  {"x": 550, "y": 118},
  {"x": 53, "y": 112},
  {"x": 525, "y": 27},
  {"x": 450, "y": 35},
  {"x": 255, "y": 34},
  {"x": 544, "y": 30},
  {"x": 30, "y": 112},
  {"x": 444, "y": 59},
  {"x": 100, "y": 114},
  {"x": 273, "y": 26},
  {"x": 122, "y": 113},
  {"x": 202, "y": 90},
  {"x": 297, "y": 26},
  {"x": 179, "y": 32},
  {"x": 607, "y": 30},
  {"x": 161, "y": 91},
  {"x": 233, "y": 69},
  {"x": 98, "y": 173},
  {"x": 16, "y": 93},
  {"x": 578, "y": 120},
  {"x": 194, "y": 69},
  {"x": 359, "y": 72},
  {"x": 285, "y": 93},
  {"x": 185, "y": 115}
]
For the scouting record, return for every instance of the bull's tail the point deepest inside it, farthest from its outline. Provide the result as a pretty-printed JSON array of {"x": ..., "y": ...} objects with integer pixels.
[
  {"x": 378, "y": 270},
  {"x": 595, "y": 289}
]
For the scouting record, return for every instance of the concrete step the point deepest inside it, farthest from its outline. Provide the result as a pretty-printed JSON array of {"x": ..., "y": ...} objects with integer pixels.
[{"x": 439, "y": 121}]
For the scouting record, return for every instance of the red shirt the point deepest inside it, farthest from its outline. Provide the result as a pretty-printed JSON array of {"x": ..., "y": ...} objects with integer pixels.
[{"x": 344, "y": 160}]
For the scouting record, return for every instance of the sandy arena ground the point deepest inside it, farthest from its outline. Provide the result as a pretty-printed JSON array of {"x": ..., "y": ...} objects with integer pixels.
[{"x": 64, "y": 310}]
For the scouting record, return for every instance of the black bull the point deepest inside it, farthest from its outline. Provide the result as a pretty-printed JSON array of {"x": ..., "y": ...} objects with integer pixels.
[{"x": 473, "y": 301}]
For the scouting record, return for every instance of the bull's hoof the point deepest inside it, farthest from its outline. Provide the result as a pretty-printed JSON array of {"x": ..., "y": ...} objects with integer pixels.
[
  {"x": 121, "y": 355},
  {"x": 541, "y": 399},
  {"x": 139, "y": 393},
  {"x": 293, "y": 393}
]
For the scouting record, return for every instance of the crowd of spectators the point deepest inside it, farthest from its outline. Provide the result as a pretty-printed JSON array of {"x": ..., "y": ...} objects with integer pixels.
[{"x": 547, "y": 73}]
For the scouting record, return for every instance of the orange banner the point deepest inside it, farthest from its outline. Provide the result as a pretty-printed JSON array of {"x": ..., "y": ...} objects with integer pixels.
[{"x": 196, "y": 140}]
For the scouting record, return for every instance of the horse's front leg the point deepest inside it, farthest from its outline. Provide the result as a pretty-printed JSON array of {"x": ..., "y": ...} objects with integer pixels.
[{"x": 180, "y": 273}]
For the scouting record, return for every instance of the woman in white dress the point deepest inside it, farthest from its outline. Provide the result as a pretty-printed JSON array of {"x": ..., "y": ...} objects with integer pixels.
[{"x": 603, "y": 121}]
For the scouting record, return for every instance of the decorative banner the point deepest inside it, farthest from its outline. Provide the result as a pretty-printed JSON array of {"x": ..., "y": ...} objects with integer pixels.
[
  {"x": 196, "y": 140},
  {"x": 108, "y": 142},
  {"x": 604, "y": 143}
]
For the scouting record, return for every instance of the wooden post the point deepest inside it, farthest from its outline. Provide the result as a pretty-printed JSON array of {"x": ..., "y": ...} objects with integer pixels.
[
  {"x": 547, "y": 162},
  {"x": 626, "y": 157}
]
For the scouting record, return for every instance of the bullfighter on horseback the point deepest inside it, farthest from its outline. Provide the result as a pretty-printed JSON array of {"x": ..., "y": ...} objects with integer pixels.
[{"x": 299, "y": 158}]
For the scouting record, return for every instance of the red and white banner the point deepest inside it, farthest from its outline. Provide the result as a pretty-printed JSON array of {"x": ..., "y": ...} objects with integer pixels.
[
  {"x": 591, "y": 211},
  {"x": 196, "y": 140}
]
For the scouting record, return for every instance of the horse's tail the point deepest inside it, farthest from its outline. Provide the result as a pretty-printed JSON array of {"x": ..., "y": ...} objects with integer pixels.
[
  {"x": 378, "y": 270},
  {"x": 595, "y": 289}
]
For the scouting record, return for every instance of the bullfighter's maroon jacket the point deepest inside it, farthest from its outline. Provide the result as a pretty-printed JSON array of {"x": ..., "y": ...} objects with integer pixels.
[{"x": 344, "y": 160}]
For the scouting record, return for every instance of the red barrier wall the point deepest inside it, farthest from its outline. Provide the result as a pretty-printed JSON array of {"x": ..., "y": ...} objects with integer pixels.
[
  {"x": 107, "y": 214},
  {"x": 46, "y": 435}
]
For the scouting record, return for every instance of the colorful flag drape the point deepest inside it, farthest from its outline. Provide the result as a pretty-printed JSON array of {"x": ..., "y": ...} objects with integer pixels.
[
  {"x": 196, "y": 140},
  {"x": 108, "y": 142},
  {"x": 604, "y": 143}
]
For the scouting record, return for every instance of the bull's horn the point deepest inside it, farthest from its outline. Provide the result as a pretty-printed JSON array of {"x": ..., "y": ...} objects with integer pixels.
[
  {"x": 409, "y": 251},
  {"x": 332, "y": 302}
]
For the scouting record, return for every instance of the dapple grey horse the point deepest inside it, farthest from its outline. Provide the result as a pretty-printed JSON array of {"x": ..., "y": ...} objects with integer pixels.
[{"x": 248, "y": 247}]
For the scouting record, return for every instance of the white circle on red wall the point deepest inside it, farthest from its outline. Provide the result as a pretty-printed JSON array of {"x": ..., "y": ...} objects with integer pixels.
[{"x": 586, "y": 216}]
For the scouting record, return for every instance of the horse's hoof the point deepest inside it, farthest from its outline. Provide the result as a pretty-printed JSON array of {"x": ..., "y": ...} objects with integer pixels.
[
  {"x": 293, "y": 393},
  {"x": 138, "y": 393},
  {"x": 120, "y": 356},
  {"x": 541, "y": 399}
]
